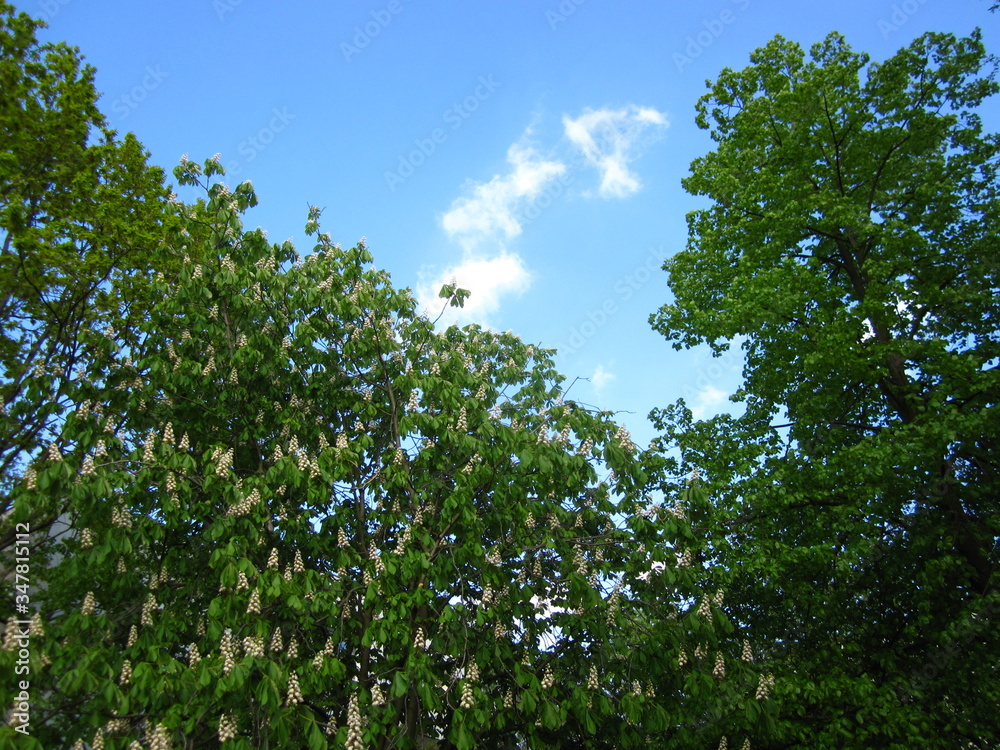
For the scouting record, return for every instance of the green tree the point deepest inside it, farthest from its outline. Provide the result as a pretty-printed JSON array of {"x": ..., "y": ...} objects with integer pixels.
[
  {"x": 80, "y": 215},
  {"x": 303, "y": 516},
  {"x": 851, "y": 243}
]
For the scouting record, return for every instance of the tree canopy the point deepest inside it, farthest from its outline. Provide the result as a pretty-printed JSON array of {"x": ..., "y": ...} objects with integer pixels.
[{"x": 851, "y": 245}]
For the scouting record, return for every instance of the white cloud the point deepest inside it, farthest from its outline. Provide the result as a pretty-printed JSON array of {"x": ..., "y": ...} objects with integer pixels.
[
  {"x": 707, "y": 402},
  {"x": 607, "y": 137},
  {"x": 490, "y": 212},
  {"x": 487, "y": 278},
  {"x": 601, "y": 378}
]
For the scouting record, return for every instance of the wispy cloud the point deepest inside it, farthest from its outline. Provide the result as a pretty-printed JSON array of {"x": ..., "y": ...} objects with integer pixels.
[
  {"x": 487, "y": 278},
  {"x": 707, "y": 402},
  {"x": 601, "y": 378},
  {"x": 489, "y": 214},
  {"x": 607, "y": 138}
]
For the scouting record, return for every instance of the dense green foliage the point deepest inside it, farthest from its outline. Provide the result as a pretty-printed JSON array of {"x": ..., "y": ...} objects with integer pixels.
[
  {"x": 294, "y": 513},
  {"x": 79, "y": 209},
  {"x": 852, "y": 243}
]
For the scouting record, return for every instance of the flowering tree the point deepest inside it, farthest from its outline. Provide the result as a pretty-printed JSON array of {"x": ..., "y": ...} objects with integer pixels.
[
  {"x": 303, "y": 516},
  {"x": 79, "y": 209}
]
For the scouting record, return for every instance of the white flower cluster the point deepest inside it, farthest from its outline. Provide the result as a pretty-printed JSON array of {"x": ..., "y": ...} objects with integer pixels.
[
  {"x": 193, "y": 656},
  {"x": 227, "y": 728},
  {"x": 592, "y": 682},
  {"x": 148, "y": 607},
  {"x": 419, "y": 639},
  {"x": 88, "y": 604},
  {"x": 747, "y": 653},
  {"x": 253, "y": 608},
  {"x": 624, "y": 439},
  {"x": 126, "y": 676},
  {"x": 54, "y": 453},
  {"x": 403, "y": 540},
  {"x": 705, "y": 608},
  {"x": 720, "y": 666},
  {"x": 764, "y": 686},
  {"x": 378, "y": 699},
  {"x": 294, "y": 694},
  {"x": 246, "y": 505},
  {"x": 228, "y": 650},
  {"x": 354, "y": 740},
  {"x": 160, "y": 739},
  {"x": 342, "y": 542},
  {"x": 272, "y": 560},
  {"x": 253, "y": 645},
  {"x": 468, "y": 698},
  {"x": 548, "y": 679},
  {"x": 86, "y": 539},
  {"x": 682, "y": 658},
  {"x": 223, "y": 460},
  {"x": 121, "y": 517},
  {"x": 685, "y": 560},
  {"x": 493, "y": 556}
]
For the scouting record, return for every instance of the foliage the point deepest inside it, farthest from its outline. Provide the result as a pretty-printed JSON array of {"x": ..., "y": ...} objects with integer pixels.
[
  {"x": 851, "y": 244},
  {"x": 303, "y": 516},
  {"x": 80, "y": 213}
]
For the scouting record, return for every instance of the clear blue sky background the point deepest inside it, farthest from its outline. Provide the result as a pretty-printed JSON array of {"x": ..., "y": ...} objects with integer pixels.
[{"x": 533, "y": 149}]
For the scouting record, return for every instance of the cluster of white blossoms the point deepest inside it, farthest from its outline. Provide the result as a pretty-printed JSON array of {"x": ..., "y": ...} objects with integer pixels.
[
  {"x": 147, "y": 610},
  {"x": 613, "y": 602},
  {"x": 719, "y": 597},
  {"x": 121, "y": 517},
  {"x": 160, "y": 738},
  {"x": 30, "y": 478},
  {"x": 253, "y": 645},
  {"x": 419, "y": 639},
  {"x": 272, "y": 559},
  {"x": 548, "y": 679},
  {"x": 193, "y": 656},
  {"x": 54, "y": 452},
  {"x": 245, "y": 506},
  {"x": 747, "y": 653},
  {"x": 228, "y": 650},
  {"x": 88, "y": 604},
  {"x": 354, "y": 739},
  {"x": 227, "y": 728},
  {"x": 126, "y": 675},
  {"x": 378, "y": 699},
  {"x": 624, "y": 439},
  {"x": 764, "y": 686},
  {"x": 223, "y": 460},
  {"x": 468, "y": 697},
  {"x": 685, "y": 559},
  {"x": 720, "y": 666},
  {"x": 253, "y": 607},
  {"x": 86, "y": 539},
  {"x": 294, "y": 694},
  {"x": 682, "y": 658},
  {"x": 88, "y": 469},
  {"x": 592, "y": 682}
]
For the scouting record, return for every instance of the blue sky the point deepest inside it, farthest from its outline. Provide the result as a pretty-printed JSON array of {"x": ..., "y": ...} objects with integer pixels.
[{"x": 532, "y": 149}]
